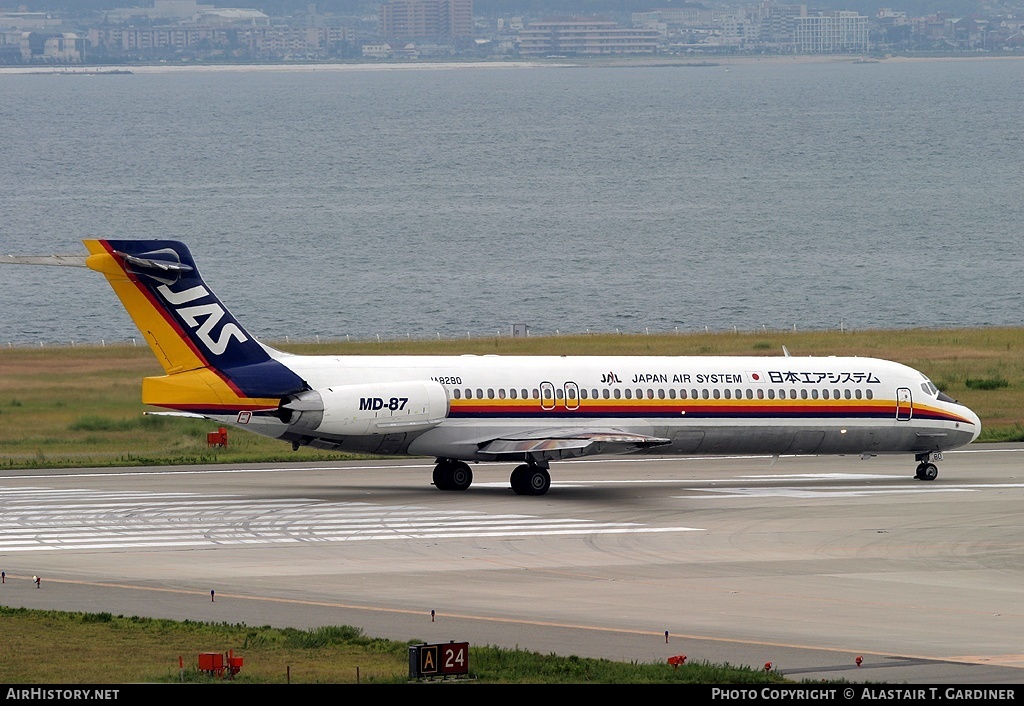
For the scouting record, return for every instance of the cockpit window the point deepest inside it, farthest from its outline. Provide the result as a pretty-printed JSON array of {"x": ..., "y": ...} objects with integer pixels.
[{"x": 929, "y": 387}]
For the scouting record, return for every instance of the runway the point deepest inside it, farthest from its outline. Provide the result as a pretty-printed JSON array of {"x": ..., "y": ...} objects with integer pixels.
[{"x": 806, "y": 563}]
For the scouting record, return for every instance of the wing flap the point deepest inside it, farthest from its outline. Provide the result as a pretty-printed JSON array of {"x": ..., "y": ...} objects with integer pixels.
[{"x": 556, "y": 444}]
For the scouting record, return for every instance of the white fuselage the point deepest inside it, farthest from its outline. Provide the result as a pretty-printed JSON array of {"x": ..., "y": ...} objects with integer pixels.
[{"x": 700, "y": 405}]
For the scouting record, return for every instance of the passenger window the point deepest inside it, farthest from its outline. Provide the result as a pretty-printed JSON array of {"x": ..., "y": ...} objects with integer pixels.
[
  {"x": 760, "y": 394},
  {"x": 846, "y": 394},
  {"x": 583, "y": 394},
  {"x": 672, "y": 393},
  {"x": 469, "y": 394},
  {"x": 512, "y": 393},
  {"x": 857, "y": 393},
  {"x": 814, "y": 394},
  {"x": 618, "y": 393},
  {"x": 705, "y": 394},
  {"x": 501, "y": 393},
  {"x": 771, "y": 394},
  {"x": 456, "y": 394},
  {"x": 717, "y": 393},
  {"x": 728, "y": 394},
  {"x": 869, "y": 394},
  {"x": 629, "y": 394},
  {"x": 605, "y": 393},
  {"x": 824, "y": 394},
  {"x": 803, "y": 394}
]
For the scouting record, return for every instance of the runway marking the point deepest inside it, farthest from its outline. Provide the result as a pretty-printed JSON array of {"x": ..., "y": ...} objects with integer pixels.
[
  {"x": 41, "y": 519},
  {"x": 839, "y": 491}
]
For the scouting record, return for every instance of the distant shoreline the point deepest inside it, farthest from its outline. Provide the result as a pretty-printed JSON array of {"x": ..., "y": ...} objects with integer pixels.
[
  {"x": 249, "y": 68},
  {"x": 603, "y": 61}
]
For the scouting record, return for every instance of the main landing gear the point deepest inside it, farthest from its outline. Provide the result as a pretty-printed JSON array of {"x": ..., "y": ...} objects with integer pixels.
[
  {"x": 531, "y": 478},
  {"x": 926, "y": 470},
  {"x": 450, "y": 474}
]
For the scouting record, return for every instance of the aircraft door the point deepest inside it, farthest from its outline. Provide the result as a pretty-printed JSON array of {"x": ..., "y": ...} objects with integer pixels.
[
  {"x": 547, "y": 395},
  {"x": 904, "y": 404},
  {"x": 572, "y": 395}
]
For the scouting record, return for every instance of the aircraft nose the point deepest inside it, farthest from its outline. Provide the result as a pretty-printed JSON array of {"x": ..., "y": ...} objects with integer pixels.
[{"x": 976, "y": 420}]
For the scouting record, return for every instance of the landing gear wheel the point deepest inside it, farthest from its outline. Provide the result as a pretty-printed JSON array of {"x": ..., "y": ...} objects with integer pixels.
[
  {"x": 927, "y": 471},
  {"x": 540, "y": 481},
  {"x": 518, "y": 480},
  {"x": 452, "y": 475},
  {"x": 458, "y": 476},
  {"x": 530, "y": 480}
]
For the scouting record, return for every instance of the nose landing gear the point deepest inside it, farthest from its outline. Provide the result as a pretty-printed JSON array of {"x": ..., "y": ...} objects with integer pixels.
[{"x": 926, "y": 470}]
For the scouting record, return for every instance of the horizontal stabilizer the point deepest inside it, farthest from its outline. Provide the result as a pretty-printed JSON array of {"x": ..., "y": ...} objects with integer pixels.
[
  {"x": 187, "y": 415},
  {"x": 554, "y": 444},
  {"x": 62, "y": 260}
]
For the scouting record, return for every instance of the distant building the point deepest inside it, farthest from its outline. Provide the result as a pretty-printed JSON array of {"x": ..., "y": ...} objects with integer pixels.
[
  {"x": 841, "y": 31},
  {"x": 583, "y": 36},
  {"x": 232, "y": 17},
  {"x": 426, "y": 19},
  {"x": 377, "y": 51},
  {"x": 52, "y": 46},
  {"x": 779, "y": 25},
  {"x": 682, "y": 17},
  {"x": 28, "y": 20},
  {"x": 258, "y": 40},
  {"x": 162, "y": 9}
]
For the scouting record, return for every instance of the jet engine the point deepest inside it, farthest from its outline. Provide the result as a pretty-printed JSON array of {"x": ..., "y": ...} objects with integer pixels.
[{"x": 374, "y": 408}]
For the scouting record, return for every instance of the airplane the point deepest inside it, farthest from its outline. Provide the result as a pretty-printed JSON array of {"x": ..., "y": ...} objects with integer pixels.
[{"x": 528, "y": 410}]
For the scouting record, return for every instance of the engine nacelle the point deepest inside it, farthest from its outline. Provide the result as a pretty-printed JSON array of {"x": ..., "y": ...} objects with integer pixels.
[{"x": 375, "y": 408}]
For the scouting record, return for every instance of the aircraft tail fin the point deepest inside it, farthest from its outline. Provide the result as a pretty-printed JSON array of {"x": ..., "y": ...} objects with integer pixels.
[{"x": 211, "y": 361}]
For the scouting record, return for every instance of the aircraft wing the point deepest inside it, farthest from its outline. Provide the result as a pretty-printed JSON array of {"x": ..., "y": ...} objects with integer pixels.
[{"x": 554, "y": 444}]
